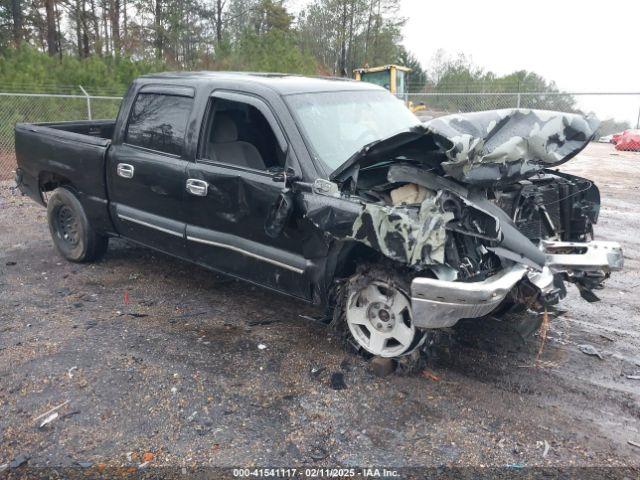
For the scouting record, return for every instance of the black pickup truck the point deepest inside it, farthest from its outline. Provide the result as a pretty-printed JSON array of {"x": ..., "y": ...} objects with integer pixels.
[{"x": 331, "y": 191}]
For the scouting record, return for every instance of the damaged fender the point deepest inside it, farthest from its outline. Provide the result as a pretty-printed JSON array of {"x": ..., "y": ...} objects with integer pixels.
[{"x": 413, "y": 235}]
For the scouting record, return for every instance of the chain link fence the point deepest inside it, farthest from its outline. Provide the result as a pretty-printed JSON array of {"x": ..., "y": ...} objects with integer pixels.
[
  {"x": 45, "y": 107},
  {"x": 619, "y": 109}
]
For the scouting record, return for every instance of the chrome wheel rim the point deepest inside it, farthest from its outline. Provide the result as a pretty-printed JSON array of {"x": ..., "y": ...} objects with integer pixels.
[{"x": 379, "y": 318}]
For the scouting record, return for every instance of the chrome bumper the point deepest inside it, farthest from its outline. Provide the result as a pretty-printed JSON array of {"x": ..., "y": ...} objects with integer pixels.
[{"x": 439, "y": 303}]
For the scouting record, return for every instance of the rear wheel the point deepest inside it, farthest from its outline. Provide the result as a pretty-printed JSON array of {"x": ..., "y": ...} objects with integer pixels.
[{"x": 72, "y": 234}]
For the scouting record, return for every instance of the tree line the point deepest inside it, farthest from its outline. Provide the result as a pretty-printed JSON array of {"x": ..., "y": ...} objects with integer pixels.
[{"x": 327, "y": 36}]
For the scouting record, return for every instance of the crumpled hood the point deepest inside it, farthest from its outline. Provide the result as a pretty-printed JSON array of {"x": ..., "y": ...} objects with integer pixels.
[
  {"x": 499, "y": 145},
  {"x": 487, "y": 148}
]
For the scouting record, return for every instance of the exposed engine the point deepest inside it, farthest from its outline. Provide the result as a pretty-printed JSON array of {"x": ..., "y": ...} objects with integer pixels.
[
  {"x": 546, "y": 206},
  {"x": 552, "y": 206}
]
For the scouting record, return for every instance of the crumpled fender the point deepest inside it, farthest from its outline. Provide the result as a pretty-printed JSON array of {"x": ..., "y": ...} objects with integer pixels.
[{"x": 414, "y": 235}]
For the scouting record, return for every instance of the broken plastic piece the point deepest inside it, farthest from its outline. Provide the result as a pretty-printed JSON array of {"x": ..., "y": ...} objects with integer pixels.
[{"x": 590, "y": 350}]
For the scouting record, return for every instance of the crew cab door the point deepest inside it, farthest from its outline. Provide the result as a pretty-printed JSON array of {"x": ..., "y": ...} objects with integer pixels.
[
  {"x": 230, "y": 190},
  {"x": 146, "y": 169}
]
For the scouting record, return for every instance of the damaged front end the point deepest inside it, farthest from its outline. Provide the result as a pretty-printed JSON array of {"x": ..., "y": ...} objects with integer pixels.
[{"x": 469, "y": 204}]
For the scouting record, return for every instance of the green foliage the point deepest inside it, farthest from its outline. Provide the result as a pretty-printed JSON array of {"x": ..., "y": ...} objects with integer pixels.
[
  {"x": 273, "y": 51},
  {"x": 27, "y": 67},
  {"x": 417, "y": 78},
  {"x": 346, "y": 34},
  {"x": 459, "y": 74}
]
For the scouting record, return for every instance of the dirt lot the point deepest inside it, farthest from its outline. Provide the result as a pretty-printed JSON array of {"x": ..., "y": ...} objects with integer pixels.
[{"x": 157, "y": 356}]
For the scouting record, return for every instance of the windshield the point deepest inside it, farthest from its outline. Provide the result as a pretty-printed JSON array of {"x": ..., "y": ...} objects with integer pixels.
[{"x": 338, "y": 124}]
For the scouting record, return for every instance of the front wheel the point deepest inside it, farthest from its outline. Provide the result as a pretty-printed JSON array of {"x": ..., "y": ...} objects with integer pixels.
[
  {"x": 72, "y": 234},
  {"x": 375, "y": 311}
]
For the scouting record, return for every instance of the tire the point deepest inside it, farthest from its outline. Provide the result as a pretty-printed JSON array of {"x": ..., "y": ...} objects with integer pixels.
[
  {"x": 73, "y": 236},
  {"x": 373, "y": 276}
]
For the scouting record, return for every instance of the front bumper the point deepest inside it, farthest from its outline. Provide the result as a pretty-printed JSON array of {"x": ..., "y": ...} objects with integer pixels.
[{"x": 440, "y": 303}]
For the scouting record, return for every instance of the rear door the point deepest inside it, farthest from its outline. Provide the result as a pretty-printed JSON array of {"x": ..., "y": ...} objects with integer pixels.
[
  {"x": 146, "y": 170},
  {"x": 230, "y": 190}
]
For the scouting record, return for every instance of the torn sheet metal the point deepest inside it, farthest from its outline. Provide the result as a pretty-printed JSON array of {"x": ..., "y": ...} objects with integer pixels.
[
  {"x": 416, "y": 238},
  {"x": 414, "y": 235},
  {"x": 504, "y": 145}
]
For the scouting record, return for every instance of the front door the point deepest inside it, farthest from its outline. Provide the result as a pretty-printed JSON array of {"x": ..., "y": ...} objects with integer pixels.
[
  {"x": 232, "y": 189},
  {"x": 146, "y": 172}
]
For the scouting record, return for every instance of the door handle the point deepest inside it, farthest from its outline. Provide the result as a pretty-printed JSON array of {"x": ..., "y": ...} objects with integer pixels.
[
  {"x": 197, "y": 187},
  {"x": 125, "y": 170}
]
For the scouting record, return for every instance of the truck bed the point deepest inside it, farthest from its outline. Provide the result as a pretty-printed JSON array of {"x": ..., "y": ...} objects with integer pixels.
[{"x": 54, "y": 154}]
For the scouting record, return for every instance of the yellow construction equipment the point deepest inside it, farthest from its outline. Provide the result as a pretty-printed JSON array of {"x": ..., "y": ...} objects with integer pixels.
[{"x": 391, "y": 77}]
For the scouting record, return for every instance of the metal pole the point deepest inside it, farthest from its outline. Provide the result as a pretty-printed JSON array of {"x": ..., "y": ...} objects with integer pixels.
[
  {"x": 88, "y": 101},
  {"x": 638, "y": 121},
  {"x": 518, "y": 100}
]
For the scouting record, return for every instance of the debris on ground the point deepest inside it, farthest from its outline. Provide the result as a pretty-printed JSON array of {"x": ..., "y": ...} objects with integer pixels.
[
  {"x": 120, "y": 313},
  {"x": 337, "y": 381},
  {"x": 633, "y": 444},
  {"x": 19, "y": 461},
  {"x": 261, "y": 346},
  {"x": 70, "y": 414},
  {"x": 633, "y": 377},
  {"x": 70, "y": 371},
  {"x": 430, "y": 375},
  {"x": 256, "y": 323},
  {"x": 82, "y": 464},
  {"x": 48, "y": 419},
  {"x": 382, "y": 367},
  {"x": 544, "y": 328},
  {"x": 546, "y": 449},
  {"x": 49, "y": 412},
  {"x": 318, "y": 453},
  {"x": 590, "y": 350}
]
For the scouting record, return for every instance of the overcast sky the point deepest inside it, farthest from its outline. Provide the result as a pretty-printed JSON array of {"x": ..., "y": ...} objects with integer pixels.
[{"x": 582, "y": 46}]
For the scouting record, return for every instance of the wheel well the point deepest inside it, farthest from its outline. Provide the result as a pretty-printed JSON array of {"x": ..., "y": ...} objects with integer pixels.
[
  {"x": 351, "y": 255},
  {"x": 48, "y": 181}
]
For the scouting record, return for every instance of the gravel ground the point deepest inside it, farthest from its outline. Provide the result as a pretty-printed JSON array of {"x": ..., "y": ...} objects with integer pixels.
[{"x": 165, "y": 362}]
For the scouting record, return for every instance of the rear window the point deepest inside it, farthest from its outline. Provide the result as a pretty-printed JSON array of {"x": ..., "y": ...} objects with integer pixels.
[{"x": 158, "y": 122}]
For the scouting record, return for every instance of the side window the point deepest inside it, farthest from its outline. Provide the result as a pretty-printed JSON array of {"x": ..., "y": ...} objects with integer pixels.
[
  {"x": 239, "y": 134},
  {"x": 158, "y": 122}
]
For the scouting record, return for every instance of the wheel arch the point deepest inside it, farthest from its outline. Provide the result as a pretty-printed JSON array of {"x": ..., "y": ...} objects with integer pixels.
[
  {"x": 49, "y": 181},
  {"x": 342, "y": 262}
]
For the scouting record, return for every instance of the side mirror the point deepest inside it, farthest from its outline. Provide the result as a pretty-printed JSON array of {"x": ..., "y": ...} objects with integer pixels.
[{"x": 279, "y": 214}]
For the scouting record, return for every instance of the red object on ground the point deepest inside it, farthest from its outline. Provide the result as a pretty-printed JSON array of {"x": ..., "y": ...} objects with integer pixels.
[{"x": 629, "y": 141}]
